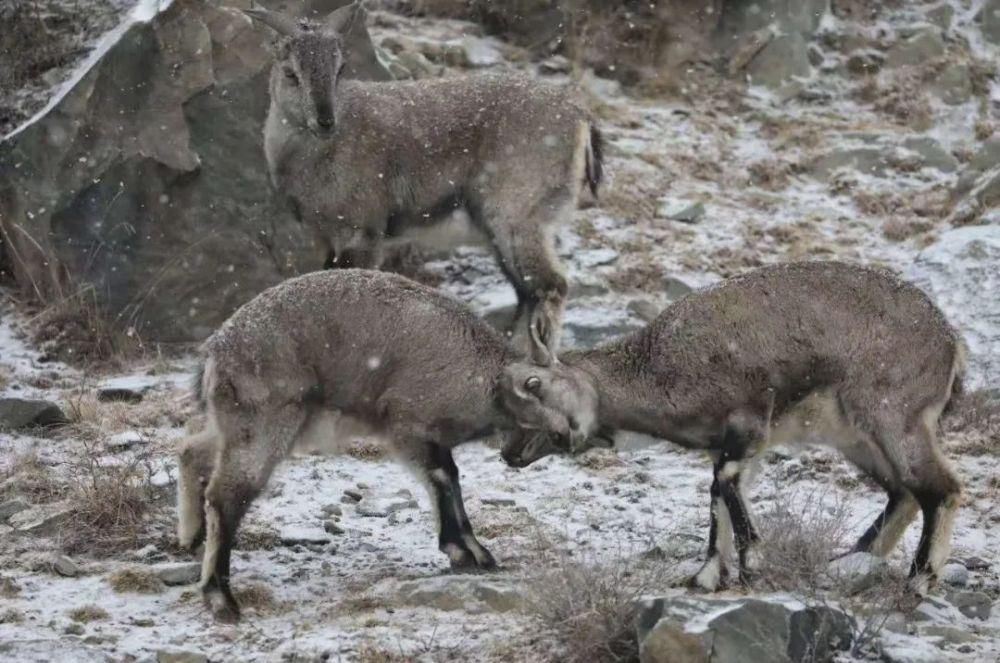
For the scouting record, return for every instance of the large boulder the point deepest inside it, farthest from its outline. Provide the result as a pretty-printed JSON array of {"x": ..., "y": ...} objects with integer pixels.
[
  {"x": 734, "y": 630},
  {"x": 146, "y": 179},
  {"x": 961, "y": 273}
]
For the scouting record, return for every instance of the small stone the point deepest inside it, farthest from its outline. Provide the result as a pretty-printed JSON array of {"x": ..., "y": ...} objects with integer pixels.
[
  {"x": 74, "y": 629},
  {"x": 332, "y": 510},
  {"x": 864, "y": 63},
  {"x": 8, "y": 587},
  {"x": 330, "y": 527},
  {"x": 22, "y": 414},
  {"x": 949, "y": 635},
  {"x": 181, "y": 573},
  {"x": 65, "y": 567},
  {"x": 857, "y": 572},
  {"x": 976, "y": 605},
  {"x": 126, "y": 440},
  {"x": 305, "y": 536},
  {"x": 119, "y": 395},
  {"x": 976, "y": 564},
  {"x": 143, "y": 622},
  {"x": 163, "y": 656},
  {"x": 955, "y": 574},
  {"x": 353, "y": 495},
  {"x": 644, "y": 309},
  {"x": 684, "y": 211},
  {"x": 11, "y": 507},
  {"x": 42, "y": 519},
  {"x": 498, "y": 501},
  {"x": 382, "y": 508}
]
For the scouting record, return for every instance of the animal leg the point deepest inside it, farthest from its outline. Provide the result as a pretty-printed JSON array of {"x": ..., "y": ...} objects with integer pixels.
[
  {"x": 714, "y": 574},
  {"x": 937, "y": 490},
  {"x": 526, "y": 256},
  {"x": 455, "y": 538},
  {"x": 251, "y": 446},
  {"x": 194, "y": 467},
  {"x": 888, "y": 528}
]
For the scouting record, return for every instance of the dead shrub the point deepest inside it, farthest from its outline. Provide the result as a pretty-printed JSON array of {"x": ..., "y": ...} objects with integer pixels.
[
  {"x": 590, "y": 607},
  {"x": 770, "y": 174},
  {"x": 254, "y": 536},
  {"x": 901, "y": 95},
  {"x": 88, "y": 613},
  {"x": 256, "y": 596},
  {"x": 645, "y": 276},
  {"x": 136, "y": 580},
  {"x": 901, "y": 228},
  {"x": 5, "y": 376},
  {"x": 78, "y": 329},
  {"x": 28, "y": 476},
  {"x": 973, "y": 422},
  {"x": 366, "y": 450},
  {"x": 113, "y": 500},
  {"x": 11, "y": 616},
  {"x": 799, "y": 534}
]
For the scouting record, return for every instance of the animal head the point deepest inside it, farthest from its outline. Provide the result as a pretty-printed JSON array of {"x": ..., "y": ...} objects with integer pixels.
[
  {"x": 554, "y": 408},
  {"x": 310, "y": 60}
]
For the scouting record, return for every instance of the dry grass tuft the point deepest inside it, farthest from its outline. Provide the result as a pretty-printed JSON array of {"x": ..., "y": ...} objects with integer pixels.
[
  {"x": 5, "y": 376},
  {"x": 599, "y": 459},
  {"x": 798, "y": 535},
  {"x": 257, "y": 537},
  {"x": 902, "y": 95},
  {"x": 366, "y": 450},
  {"x": 770, "y": 174},
  {"x": 78, "y": 329},
  {"x": 11, "y": 616},
  {"x": 899, "y": 228},
  {"x": 28, "y": 476},
  {"x": 645, "y": 276},
  {"x": 112, "y": 503},
  {"x": 973, "y": 423},
  {"x": 136, "y": 580},
  {"x": 256, "y": 596},
  {"x": 590, "y": 608},
  {"x": 88, "y": 613}
]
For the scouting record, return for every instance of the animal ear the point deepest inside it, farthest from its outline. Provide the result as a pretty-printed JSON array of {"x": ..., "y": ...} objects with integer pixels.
[
  {"x": 280, "y": 23},
  {"x": 540, "y": 331},
  {"x": 342, "y": 20}
]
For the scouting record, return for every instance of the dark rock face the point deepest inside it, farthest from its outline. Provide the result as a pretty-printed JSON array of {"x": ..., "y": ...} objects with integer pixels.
[
  {"x": 19, "y": 414},
  {"x": 147, "y": 179}
]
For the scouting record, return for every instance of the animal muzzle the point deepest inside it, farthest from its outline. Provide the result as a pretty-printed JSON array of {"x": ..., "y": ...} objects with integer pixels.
[{"x": 525, "y": 447}]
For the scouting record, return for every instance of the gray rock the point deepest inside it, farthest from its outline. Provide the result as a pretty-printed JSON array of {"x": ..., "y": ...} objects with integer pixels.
[
  {"x": 353, "y": 495},
  {"x": 644, "y": 309},
  {"x": 668, "y": 643},
  {"x": 954, "y": 84},
  {"x": 179, "y": 573},
  {"x": 684, "y": 211},
  {"x": 976, "y": 563},
  {"x": 50, "y": 650},
  {"x": 961, "y": 273},
  {"x": 306, "y": 536},
  {"x": 955, "y": 574},
  {"x": 941, "y": 16},
  {"x": 747, "y": 629},
  {"x": 64, "y": 566},
  {"x": 987, "y": 156},
  {"x": 983, "y": 194},
  {"x": 931, "y": 153},
  {"x": 11, "y": 507},
  {"x": 74, "y": 629},
  {"x": 949, "y": 635},
  {"x": 865, "y": 62},
  {"x": 917, "y": 49},
  {"x": 381, "y": 508},
  {"x": 801, "y": 17},
  {"x": 977, "y": 605},
  {"x": 332, "y": 510},
  {"x": 868, "y": 160},
  {"x": 167, "y": 124},
  {"x": 331, "y": 527},
  {"x": 460, "y": 592},
  {"x": 586, "y": 327},
  {"x": 43, "y": 519},
  {"x": 21, "y": 414},
  {"x": 165, "y": 656},
  {"x": 674, "y": 288},
  {"x": 481, "y": 52},
  {"x": 857, "y": 572},
  {"x": 784, "y": 58},
  {"x": 498, "y": 501},
  {"x": 590, "y": 258},
  {"x": 991, "y": 21}
]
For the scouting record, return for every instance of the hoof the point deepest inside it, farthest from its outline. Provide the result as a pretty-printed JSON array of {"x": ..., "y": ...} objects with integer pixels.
[
  {"x": 712, "y": 577},
  {"x": 485, "y": 561},
  {"x": 222, "y": 605}
]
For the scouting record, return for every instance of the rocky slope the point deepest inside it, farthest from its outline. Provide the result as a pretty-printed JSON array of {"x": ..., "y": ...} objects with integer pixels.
[{"x": 864, "y": 136}]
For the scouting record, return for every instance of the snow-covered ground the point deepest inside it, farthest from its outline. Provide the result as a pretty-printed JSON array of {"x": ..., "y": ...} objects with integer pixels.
[{"x": 349, "y": 586}]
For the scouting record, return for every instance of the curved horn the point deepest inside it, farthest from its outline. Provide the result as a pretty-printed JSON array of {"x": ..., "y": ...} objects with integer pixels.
[{"x": 283, "y": 25}]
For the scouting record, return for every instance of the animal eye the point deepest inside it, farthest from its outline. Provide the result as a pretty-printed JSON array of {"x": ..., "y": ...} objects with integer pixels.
[
  {"x": 533, "y": 384},
  {"x": 291, "y": 77}
]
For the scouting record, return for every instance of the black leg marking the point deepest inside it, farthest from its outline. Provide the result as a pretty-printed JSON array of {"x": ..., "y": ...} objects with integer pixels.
[
  {"x": 866, "y": 540},
  {"x": 930, "y": 505},
  {"x": 456, "y": 537},
  {"x": 735, "y": 443}
]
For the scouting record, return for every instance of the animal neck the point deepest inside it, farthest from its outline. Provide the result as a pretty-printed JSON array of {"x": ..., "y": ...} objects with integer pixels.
[{"x": 625, "y": 401}]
